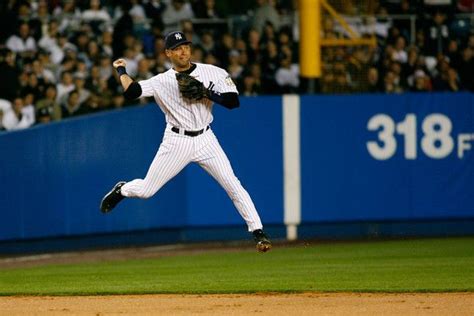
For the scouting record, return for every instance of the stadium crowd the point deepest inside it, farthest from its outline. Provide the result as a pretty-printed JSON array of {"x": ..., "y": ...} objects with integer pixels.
[{"x": 56, "y": 56}]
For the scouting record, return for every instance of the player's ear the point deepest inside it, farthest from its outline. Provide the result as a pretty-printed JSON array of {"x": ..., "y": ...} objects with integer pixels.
[{"x": 168, "y": 53}]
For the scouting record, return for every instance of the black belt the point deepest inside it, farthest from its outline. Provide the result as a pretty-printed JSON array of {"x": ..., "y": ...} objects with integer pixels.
[{"x": 190, "y": 133}]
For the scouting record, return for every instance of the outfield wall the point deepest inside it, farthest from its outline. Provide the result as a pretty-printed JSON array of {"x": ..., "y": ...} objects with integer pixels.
[{"x": 363, "y": 162}]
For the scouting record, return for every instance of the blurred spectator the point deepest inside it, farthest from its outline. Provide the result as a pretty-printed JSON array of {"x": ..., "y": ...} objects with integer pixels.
[
  {"x": 252, "y": 83},
  {"x": 268, "y": 34},
  {"x": 234, "y": 68},
  {"x": 284, "y": 39},
  {"x": 29, "y": 107},
  {"x": 68, "y": 15},
  {"x": 43, "y": 116},
  {"x": 287, "y": 75},
  {"x": 104, "y": 67},
  {"x": 207, "y": 43},
  {"x": 39, "y": 19},
  {"x": 49, "y": 38},
  {"x": 22, "y": 43},
  {"x": 122, "y": 28},
  {"x": 23, "y": 12},
  {"x": 176, "y": 12},
  {"x": 420, "y": 41},
  {"x": 105, "y": 41},
  {"x": 205, "y": 9},
  {"x": 405, "y": 7},
  {"x": 48, "y": 104},
  {"x": 421, "y": 82},
  {"x": 409, "y": 67},
  {"x": 72, "y": 107},
  {"x": 104, "y": 93},
  {"x": 197, "y": 56},
  {"x": 92, "y": 105},
  {"x": 19, "y": 116},
  {"x": 342, "y": 82},
  {"x": 143, "y": 70},
  {"x": 187, "y": 28},
  {"x": 95, "y": 13},
  {"x": 8, "y": 75},
  {"x": 250, "y": 87},
  {"x": 453, "y": 54},
  {"x": 437, "y": 35},
  {"x": 270, "y": 59},
  {"x": 226, "y": 45},
  {"x": 118, "y": 101},
  {"x": 81, "y": 40},
  {"x": 59, "y": 49},
  {"x": 265, "y": 12},
  {"x": 5, "y": 108},
  {"x": 440, "y": 74},
  {"x": 92, "y": 82},
  {"x": 400, "y": 80},
  {"x": 466, "y": 68},
  {"x": 23, "y": 80},
  {"x": 79, "y": 85},
  {"x": 64, "y": 87},
  {"x": 81, "y": 69},
  {"x": 400, "y": 53},
  {"x": 253, "y": 47},
  {"x": 9, "y": 20},
  {"x": 132, "y": 62},
  {"x": 211, "y": 59},
  {"x": 372, "y": 84},
  {"x": 391, "y": 83},
  {"x": 34, "y": 87},
  {"x": 91, "y": 55},
  {"x": 454, "y": 85},
  {"x": 357, "y": 67},
  {"x": 138, "y": 13},
  {"x": 154, "y": 10}
]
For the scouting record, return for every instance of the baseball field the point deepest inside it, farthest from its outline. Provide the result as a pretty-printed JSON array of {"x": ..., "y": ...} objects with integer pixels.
[{"x": 423, "y": 276}]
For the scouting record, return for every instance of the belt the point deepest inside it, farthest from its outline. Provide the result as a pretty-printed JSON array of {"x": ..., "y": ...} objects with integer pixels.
[{"x": 190, "y": 133}]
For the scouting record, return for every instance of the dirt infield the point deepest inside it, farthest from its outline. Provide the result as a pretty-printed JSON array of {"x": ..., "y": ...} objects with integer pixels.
[{"x": 258, "y": 304}]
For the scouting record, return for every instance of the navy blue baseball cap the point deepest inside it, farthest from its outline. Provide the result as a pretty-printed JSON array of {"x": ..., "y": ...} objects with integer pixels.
[{"x": 174, "y": 39}]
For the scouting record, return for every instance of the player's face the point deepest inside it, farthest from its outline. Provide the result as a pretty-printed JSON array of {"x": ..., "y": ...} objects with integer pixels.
[{"x": 180, "y": 56}]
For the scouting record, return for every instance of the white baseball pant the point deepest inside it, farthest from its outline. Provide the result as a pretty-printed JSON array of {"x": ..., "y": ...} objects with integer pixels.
[{"x": 176, "y": 152}]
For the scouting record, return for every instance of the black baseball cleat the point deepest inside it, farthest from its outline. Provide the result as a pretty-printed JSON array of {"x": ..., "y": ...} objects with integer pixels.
[
  {"x": 112, "y": 198},
  {"x": 263, "y": 244}
]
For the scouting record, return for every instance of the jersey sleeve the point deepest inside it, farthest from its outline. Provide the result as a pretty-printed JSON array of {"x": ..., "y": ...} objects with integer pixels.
[
  {"x": 148, "y": 87},
  {"x": 224, "y": 83}
]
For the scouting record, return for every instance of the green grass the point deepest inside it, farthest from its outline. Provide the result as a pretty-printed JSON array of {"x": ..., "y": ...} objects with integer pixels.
[{"x": 429, "y": 265}]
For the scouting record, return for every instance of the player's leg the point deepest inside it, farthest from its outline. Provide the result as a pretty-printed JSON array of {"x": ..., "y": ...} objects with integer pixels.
[
  {"x": 213, "y": 159},
  {"x": 174, "y": 154}
]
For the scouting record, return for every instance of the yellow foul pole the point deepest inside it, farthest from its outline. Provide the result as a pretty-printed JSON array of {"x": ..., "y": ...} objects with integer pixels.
[{"x": 310, "y": 38}]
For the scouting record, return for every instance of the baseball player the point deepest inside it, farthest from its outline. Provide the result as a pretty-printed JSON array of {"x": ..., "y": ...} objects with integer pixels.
[{"x": 186, "y": 94}]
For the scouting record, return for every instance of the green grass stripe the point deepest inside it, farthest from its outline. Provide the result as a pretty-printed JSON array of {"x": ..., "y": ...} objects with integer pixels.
[{"x": 426, "y": 265}]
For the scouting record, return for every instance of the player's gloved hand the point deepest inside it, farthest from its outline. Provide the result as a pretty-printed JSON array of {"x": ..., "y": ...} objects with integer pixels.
[{"x": 191, "y": 88}]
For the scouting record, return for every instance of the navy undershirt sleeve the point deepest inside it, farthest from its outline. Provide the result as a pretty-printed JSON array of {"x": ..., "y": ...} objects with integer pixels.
[
  {"x": 229, "y": 100},
  {"x": 133, "y": 92}
]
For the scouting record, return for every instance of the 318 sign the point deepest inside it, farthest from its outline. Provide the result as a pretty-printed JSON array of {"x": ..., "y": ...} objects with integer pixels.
[{"x": 437, "y": 142}]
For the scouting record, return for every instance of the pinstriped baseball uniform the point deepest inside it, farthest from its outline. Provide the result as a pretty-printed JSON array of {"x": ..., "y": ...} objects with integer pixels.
[{"x": 178, "y": 150}]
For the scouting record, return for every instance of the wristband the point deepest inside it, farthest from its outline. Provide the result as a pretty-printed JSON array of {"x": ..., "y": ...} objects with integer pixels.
[{"x": 121, "y": 70}]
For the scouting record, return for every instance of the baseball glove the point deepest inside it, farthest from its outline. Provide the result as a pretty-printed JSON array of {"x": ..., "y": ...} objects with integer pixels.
[{"x": 190, "y": 87}]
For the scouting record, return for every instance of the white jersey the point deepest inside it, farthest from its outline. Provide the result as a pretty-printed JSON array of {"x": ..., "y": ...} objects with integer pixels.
[{"x": 182, "y": 113}]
